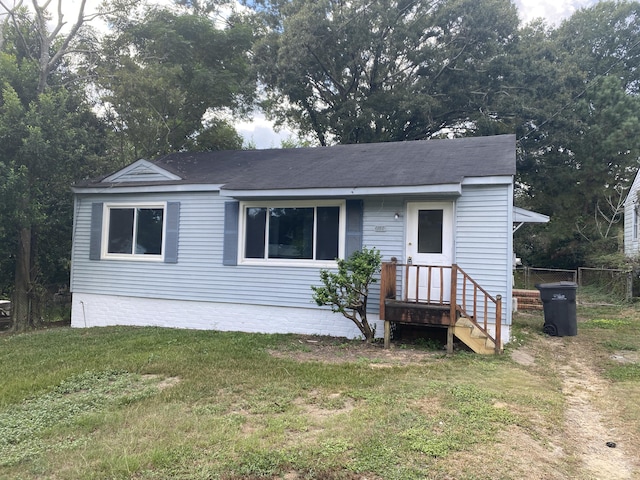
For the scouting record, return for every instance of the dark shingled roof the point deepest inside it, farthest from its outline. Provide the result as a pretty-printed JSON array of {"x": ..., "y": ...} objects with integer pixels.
[{"x": 392, "y": 164}]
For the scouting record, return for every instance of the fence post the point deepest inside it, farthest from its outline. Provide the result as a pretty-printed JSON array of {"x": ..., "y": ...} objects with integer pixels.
[{"x": 629, "y": 295}]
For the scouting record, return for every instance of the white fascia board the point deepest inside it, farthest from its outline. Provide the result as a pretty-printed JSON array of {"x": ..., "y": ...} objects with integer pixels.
[
  {"x": 141, "y": 163},
  {"x": 492, "y": 180},
  {"x": 446, "y": 189},
  {"x": 123, "y": 188}
]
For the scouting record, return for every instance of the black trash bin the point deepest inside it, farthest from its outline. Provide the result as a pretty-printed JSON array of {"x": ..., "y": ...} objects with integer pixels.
[{"x": 559, "y": 303}]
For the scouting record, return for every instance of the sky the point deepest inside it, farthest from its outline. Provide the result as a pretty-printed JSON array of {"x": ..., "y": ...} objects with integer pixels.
[{"x": 260, "y": 131}]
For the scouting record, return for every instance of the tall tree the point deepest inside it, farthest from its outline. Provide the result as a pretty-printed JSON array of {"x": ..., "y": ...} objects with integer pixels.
[
  {"x": 578, "y": 147},
  {"x": 349, "y": 72},
  {"x": 48, "y": 135},
  {"x": 170, "y": 79}
]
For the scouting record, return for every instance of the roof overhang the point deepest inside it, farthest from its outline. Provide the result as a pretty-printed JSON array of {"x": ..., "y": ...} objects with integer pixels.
[
  {"x": 489, "y": 180},
  {"x": 128, "y": 188},
  {"x": 522, "y": 216},
  {"x": 454, "y": 189}
]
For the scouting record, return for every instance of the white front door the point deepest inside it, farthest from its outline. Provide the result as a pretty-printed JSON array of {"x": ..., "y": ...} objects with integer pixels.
[{"x": 430, "y": 242}]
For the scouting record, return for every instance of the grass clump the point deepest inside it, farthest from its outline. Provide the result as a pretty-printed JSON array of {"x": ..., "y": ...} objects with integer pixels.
[
  {"x": 469, "y": 418},
  {"x": 24, "y": 427},
  {"x": 606, "y": 323}
]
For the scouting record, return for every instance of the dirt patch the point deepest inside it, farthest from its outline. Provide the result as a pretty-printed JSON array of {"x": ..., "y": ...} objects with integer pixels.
[
  {"x": 626, "y": 356},
  {"x": 332, "y": 350},
  {"x": 527, "y": 457},
  {"x": 523, "y": 357},
  {"x": 317, "y": 406},
  {"x": 591, "y": 434},
  {"x": 587, "y": 425},
  {"x": 162, "y": 383}
]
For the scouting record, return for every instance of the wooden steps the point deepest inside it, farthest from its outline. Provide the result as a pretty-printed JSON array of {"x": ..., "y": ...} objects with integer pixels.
[
  {"x": 472, "y": 336},
  {"x": 527, "y": 299}
]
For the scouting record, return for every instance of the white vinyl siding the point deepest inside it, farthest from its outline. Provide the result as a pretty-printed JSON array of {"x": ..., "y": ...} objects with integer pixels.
[
  {"x": 199, "y": 273},
  {"x": 482, "y": 248},
  {"x": 383, "y": 231},
  {"x": 631, "y": 240},
  {"x": 483, "y": 234}
]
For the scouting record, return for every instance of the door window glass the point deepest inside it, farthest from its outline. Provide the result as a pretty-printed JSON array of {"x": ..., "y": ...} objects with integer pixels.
[{"x": 430, "y": 231}]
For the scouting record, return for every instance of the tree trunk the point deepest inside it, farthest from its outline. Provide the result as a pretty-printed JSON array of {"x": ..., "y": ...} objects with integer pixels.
[{"x": 21, "y": 305}]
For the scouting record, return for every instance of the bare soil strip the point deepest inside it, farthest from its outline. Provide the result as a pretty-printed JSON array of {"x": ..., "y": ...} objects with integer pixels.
[{"x": 601, "y": 448}]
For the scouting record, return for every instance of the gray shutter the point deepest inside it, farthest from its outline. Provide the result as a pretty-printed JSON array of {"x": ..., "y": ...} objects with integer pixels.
[
  {"x": 231, "y": 219},
  {"x": 354, "y": 227},
  {"x": 95, "y": 238},
  {"x": 173, "y": 224}
]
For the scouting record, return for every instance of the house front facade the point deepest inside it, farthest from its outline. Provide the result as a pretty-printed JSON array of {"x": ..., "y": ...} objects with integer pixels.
[{"x": 234, "y": 240}]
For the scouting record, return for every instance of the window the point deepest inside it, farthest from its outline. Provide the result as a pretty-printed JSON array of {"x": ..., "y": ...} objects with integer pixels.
[
  {"x": 292, "y": 232},
  {"x": 134, "y": 231},
  {"x": 430, "y": 231}
]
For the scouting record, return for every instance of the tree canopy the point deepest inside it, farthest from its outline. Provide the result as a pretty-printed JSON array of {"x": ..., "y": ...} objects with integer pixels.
[
  {"x": 354, "y": 72},
  {"x": 49, "y": 136},
  {"x": 169, "y": 80}
]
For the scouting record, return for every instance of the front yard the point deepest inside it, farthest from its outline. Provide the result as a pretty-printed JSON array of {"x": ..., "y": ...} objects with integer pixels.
[{"x": 149, "y": 403}]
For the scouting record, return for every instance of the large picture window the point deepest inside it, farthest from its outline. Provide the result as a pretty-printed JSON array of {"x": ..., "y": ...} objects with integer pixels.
[
  {"x": 293, "y": 232},
  {"x": 134, "y": 231}
]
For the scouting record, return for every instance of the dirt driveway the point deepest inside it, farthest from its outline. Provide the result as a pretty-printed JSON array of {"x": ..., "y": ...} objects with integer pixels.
[
  {"x": 594, "y": 442},
  {"x": 600, "y": 444}
]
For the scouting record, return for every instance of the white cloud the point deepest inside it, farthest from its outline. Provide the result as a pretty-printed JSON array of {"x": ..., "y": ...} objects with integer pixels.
[
  {"x": 261, "y": 133},
  {"x": 553, "y": 11}
]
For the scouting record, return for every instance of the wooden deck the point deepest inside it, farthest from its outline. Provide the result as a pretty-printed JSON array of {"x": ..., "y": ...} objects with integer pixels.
[
  {"x": 430, "y": 303},
  {"x": 399, "y": 311}
]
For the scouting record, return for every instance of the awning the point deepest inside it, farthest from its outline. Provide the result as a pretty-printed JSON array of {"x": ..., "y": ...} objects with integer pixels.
[{"x": 522, "y": 216}]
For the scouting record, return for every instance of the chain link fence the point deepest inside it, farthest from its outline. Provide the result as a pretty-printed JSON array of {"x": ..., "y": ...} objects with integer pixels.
[
  {"x": 607, "y": 282},
  {"x": 527, "y": 278},
  {"x": 615, "y": 284}
]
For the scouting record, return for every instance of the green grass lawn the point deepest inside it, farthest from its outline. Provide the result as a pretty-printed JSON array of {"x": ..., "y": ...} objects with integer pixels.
[{"x": 150, "y": 403}]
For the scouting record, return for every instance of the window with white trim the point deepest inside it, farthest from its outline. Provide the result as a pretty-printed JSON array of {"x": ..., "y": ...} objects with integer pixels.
[
  {"x": 292, "y": 232},
  {"x": 134, "y": 231}
]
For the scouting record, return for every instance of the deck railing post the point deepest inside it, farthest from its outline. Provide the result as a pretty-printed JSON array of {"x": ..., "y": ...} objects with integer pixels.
[
  {"x": 388, "y": 285},
  {"x": 454, "y": 293},
  {"x": 498, "y": 336},
  {"x": 453, "y": 311}
]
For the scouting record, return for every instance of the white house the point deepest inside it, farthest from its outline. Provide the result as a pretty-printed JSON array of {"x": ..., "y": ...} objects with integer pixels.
[{"x": 632, "y": 219}]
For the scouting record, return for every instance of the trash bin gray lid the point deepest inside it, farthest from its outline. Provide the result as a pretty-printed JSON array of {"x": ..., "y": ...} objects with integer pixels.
[{"x": 563, "y": 284}]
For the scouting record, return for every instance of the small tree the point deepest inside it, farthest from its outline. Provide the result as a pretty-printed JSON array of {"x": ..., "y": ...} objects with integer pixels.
[{"x": 346, "y": 291}]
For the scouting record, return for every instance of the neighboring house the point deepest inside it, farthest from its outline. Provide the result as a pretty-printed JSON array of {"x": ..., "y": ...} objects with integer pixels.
[
  {"x": 632, "y": 220},
  {"x": 233, "y": 240}
]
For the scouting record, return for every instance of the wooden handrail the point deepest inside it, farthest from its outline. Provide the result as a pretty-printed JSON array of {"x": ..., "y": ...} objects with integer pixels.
[
  {"x": 487, "y": 298},
  {"x": 462, "y": 286}
]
